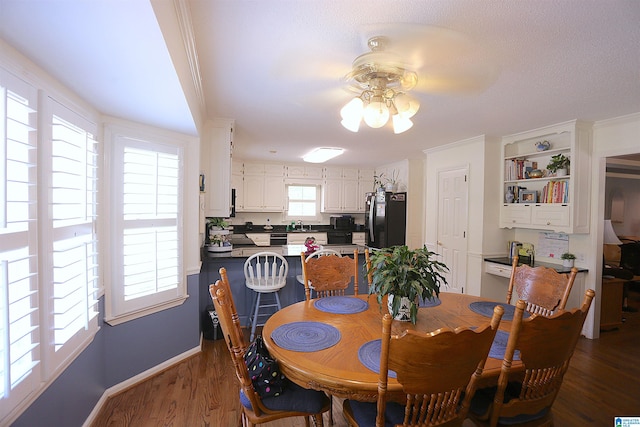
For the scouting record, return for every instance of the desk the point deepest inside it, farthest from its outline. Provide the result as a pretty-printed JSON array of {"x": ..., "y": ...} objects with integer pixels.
[
  {"x": 337, "y": 370},
  {"x": 611, "y": 303}
]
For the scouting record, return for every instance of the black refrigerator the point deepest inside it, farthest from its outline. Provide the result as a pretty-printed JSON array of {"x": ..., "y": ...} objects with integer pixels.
[{"x": 386, "y": 219}]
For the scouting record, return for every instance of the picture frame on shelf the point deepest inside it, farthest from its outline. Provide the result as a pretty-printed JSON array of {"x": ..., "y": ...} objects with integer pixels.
[{"x": 527, "y": 196}]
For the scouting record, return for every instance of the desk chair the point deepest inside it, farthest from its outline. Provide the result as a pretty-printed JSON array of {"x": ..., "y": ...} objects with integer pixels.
[
  {"x": 295, "y": 401},
  {"x": 438, "y": 372},
  {"x": 321, "y": 252},
  {"x": 544, "y": 290},
  {"x": 329, "y": 275},
  {"x": 265, "y": 273},
  {"x": 545, "y": 346}
]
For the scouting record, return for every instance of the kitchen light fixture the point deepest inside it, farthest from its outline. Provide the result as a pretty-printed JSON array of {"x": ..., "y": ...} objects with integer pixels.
[
  {"x": 383, "y": 80},
  {"x": 321, "y": 155}
]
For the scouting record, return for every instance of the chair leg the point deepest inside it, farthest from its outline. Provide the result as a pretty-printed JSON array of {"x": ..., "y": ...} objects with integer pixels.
[
  {"x": 278, "y": 301},
  {"x": 317, "y": 420},
  {"x": 254, "y": 322}
]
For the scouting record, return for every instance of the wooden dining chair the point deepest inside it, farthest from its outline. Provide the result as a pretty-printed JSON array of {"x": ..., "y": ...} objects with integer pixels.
[
  {"x": 545, "y": 346},
  {"x": 544, "y": 290},
  {"x": 367, "y": 263},
  {"x": 319, "y": 253},
  {"x": 438, "y": 372},
  {"x": 295, "y": 401},
  {"x": 329, "y": 275}
]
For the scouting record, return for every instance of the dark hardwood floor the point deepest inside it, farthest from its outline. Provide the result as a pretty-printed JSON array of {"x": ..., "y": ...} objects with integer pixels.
[{"x": 603, "y": 381}]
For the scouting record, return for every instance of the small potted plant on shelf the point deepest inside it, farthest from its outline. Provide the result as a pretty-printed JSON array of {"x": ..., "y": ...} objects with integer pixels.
[
  {"x": 378, "y": 185},
  {"x": 559, "y": 164},
  {"x": 391, "y": 183},
  {"x": 568, "y": 259},
  {"x": 406, "y": 276}
]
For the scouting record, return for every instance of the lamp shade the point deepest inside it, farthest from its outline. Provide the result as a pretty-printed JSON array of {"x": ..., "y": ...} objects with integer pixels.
[
  {"x": 610, "y": 237},
  {"x": 401, "y": 124},
  {"x": 376, "y": 114}
]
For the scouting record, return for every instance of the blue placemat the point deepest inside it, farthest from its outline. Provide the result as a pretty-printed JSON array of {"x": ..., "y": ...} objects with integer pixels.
[
  {"x": 485, "y": 308},
  {"x": 430, "y": 302},
  {"x": 499, "y": 346},
  {"x": 369, "y": 355},
  {"x": 341, "y": 305},
  {"x": 305, "y": 336}
]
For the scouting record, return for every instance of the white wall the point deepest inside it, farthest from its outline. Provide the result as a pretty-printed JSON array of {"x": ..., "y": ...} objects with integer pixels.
[{"x": 481, "y": 156}]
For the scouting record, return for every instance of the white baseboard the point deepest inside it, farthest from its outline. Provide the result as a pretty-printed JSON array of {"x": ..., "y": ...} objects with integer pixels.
[{"x": 111, "y": 391}]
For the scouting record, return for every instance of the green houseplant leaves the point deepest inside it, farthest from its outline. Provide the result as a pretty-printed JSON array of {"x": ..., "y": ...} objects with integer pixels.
[{"x": 402, "y": 272}]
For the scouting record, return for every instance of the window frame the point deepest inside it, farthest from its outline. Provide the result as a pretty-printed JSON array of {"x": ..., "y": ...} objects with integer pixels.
[
  {"x": 318, "y": 199},
  {"x": 118, "y": 311}
]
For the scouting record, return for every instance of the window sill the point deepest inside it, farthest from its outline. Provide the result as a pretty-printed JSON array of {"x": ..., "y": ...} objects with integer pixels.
[{"x": 117, "y": 320}]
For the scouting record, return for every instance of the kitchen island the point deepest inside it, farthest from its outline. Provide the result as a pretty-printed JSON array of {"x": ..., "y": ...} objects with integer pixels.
[{"x": 234, "y": 263}]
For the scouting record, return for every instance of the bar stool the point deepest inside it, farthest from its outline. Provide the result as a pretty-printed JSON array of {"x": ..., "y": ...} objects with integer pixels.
[{"x": 265, "y": 273}]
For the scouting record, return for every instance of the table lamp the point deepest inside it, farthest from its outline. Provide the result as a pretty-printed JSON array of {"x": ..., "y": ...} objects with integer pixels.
[{"x": 610, "y": 237}]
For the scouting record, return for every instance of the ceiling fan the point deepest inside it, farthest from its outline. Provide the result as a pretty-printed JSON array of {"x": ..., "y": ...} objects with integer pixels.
[{"x": 405, "y": 58}]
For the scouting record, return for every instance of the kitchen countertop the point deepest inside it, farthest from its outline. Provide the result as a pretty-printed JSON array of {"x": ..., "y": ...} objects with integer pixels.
[
  {"x": 558, "y": 267},
  {"x": 287, "y": 250}
]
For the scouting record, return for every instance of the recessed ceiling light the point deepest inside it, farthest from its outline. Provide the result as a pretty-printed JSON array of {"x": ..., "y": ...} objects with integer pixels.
[{"x": 321, "y": 155}]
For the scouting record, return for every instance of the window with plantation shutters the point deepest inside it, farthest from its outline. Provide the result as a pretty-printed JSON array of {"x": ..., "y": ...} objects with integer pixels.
[
  {"x": 19, "y": 297},
  {"x": 146, "y": 228},
  {"x": 69, "y": 154}
]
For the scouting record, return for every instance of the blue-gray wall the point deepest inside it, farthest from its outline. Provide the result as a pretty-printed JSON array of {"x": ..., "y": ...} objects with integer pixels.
[{"x": 116, "y": 354}]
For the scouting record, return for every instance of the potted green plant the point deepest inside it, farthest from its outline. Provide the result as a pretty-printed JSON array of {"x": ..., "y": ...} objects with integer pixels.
[
  {"x": 391, "y": 182},
  {"x": 400, "y": 272},
  {"x": 378, "y": 184},
  {"x": 568, "y": 259},
  {"x": 559, "y": 164}
]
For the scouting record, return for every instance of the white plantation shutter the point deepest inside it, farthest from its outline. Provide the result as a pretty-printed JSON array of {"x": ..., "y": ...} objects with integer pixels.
[
  {"x": 147, "y": 226},
  {"x": 19, "y": 312},
  {"x": 70, "y": 272}
]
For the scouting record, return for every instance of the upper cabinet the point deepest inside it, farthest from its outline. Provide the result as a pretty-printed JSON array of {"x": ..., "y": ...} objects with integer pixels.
[
  {"x": 219, "y": 142},
  {"x": 263, "y": 187},
  {"x": 304, "y": 171},
  {"x": 534, "y": 196},
  {"x": 340, "y": 190}
]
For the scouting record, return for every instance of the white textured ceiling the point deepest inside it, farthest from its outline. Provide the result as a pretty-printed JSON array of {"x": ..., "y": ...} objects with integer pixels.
[{"x": 275, "y": 66}]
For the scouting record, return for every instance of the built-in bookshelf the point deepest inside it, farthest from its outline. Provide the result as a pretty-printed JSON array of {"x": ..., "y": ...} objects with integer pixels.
[{"x": 535, "y": 197}]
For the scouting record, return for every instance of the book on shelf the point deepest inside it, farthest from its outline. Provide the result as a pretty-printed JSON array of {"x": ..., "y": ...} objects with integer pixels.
[{"x": 518, "y": 169}]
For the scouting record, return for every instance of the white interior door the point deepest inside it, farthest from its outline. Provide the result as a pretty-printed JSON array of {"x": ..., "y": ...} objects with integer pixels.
[{"x": 452, "y": 226}]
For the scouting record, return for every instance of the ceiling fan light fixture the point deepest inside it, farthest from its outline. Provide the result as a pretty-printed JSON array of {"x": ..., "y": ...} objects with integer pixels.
[
  {"x": 352, "y": 124},
  {"x": 407, "y": 106},
  {"x": 401, "y": 124},
  {"x": 322, "y": 154},
  {"x": 353, "y": 109},
  {"x": 376, "y": 114}
]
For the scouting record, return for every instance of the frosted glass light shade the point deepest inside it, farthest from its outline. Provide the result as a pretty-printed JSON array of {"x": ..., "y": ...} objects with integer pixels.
[
  {"x": 376, "y": 114},
  {"x": 401, "y": 124},
  {"x": 320, "y": 155},
  {"x": 352, "y": 109},
  {"x": 351, "y": 124},
  {"x": 406, "y": 105}
]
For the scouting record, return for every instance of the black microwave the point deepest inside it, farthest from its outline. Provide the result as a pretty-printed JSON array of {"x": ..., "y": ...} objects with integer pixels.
[{"x": 342, "y": 222}]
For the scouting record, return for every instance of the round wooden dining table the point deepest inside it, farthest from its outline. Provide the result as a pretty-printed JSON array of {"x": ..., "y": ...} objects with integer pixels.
[{"x": 338, "y": 369}]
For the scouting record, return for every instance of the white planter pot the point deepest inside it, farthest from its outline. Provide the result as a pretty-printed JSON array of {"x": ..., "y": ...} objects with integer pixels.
[
  {"x": 404, "y": 312},
  {"x": 567, "y": 263},
  {"x": 561, "y": 172}
]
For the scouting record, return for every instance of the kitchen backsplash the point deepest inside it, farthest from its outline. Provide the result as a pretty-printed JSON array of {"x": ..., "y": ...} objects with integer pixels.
[{"x": 279, "y": 219}]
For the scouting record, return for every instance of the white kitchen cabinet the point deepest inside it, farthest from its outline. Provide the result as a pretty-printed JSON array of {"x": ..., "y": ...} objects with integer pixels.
[
  {"x": 358, "y": 238},
  {"x": 263, "y": 187},
  {"x": 342, "y": 191},
  {"x": 566, "y": 206},
  {"x": 298, "y": 238},
  {"x": 218, "y": 176},
  {"x": 237, "y": 183},
  {"x": 340, "y": 196},
  {"x": 365, "y": 185},
  {"x": 263, "y": 193},
  {"x": 304, "y": 171}
]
